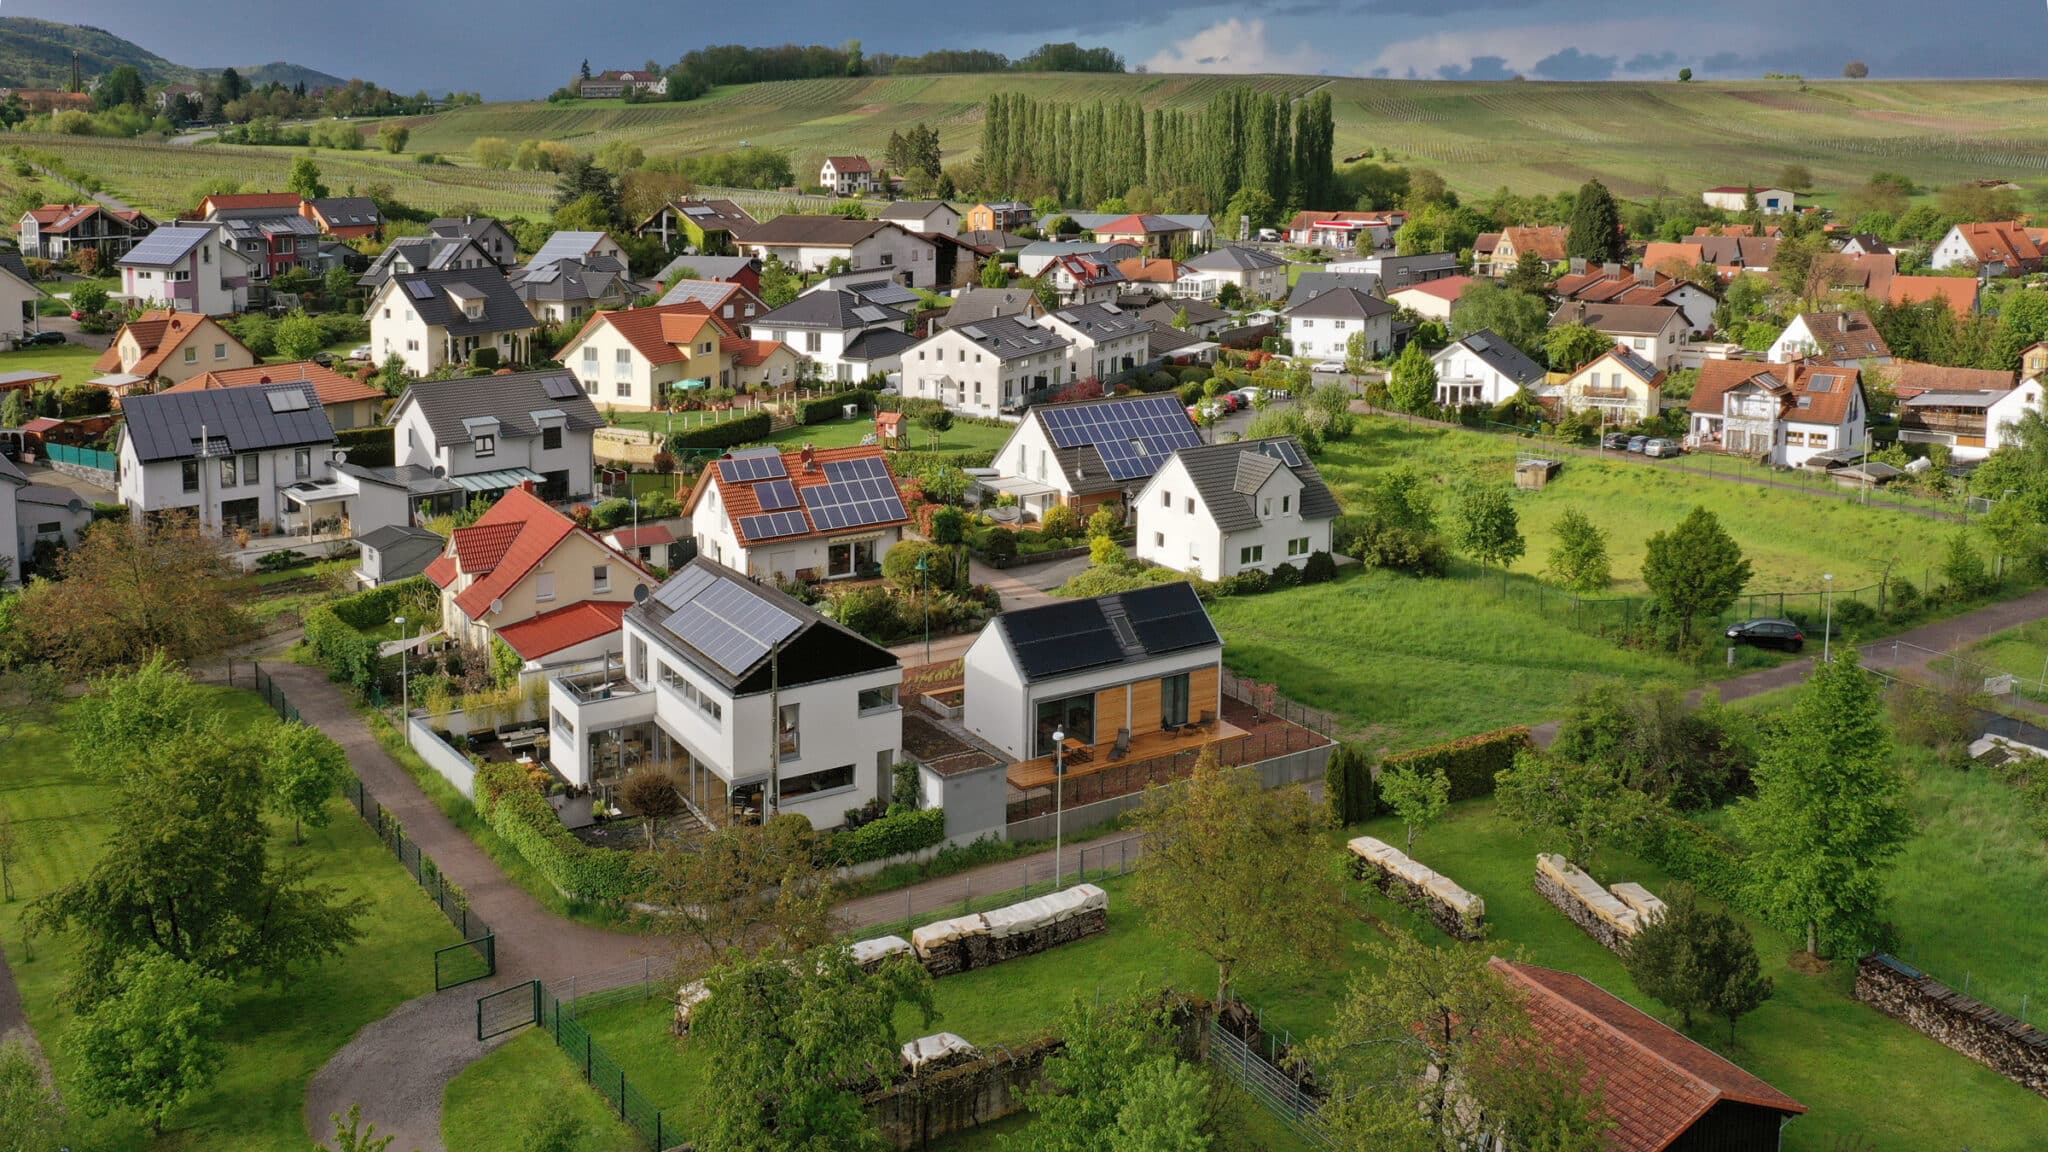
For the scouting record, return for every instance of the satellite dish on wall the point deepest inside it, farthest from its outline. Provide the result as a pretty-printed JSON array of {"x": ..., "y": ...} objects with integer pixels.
[
  {"x": 440, "y": 473},
  {"x": 340, "y": 456},
  {"x": 639, "y": 593},
  {"x": 497, "y": 606}
]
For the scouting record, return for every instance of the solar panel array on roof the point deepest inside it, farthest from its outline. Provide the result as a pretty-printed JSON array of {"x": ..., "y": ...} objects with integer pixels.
[
  {"x": 698, "y": 210},
  {"x": 747, "y": 467},
  {"x": 1169, "y": 618},
  {"x": 560, "y": 387},
  {"x": 683, "y": 586},
  {"x": 853, "y": 503},
  {"x": 870, "y": 314},
  {"x": 1821, "y": 383},
  {"x": 419, "y": 289},
  {"x": 775, "y": 495},
  {"x": 164, "y": 245},
  {"x": 1133, "y": 436},
  {"x": 1282, "y": 451},
  {"x": 287, "y": 400},
  {"x": 860, "y": 468},
  {"x": 729, "y": 624},
  {"x": 1477, "y": 343},
  {"x": 1060, "y": 638},
  {"x": 973, "y": 333},
  {"x": 770, "y": 525}
]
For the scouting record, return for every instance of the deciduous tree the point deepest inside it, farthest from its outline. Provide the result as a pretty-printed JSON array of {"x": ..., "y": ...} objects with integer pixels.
[
  {"x": 1579, "y": 808},
  {"x": 1115, "y": 1084},
  {"x": 305, "y": 179},
  {"x": 1829, "y": 814},
  {"x": 652, "y": 796},
  {"x": 1695, "y": 569},
  {"x": 1485, "y": 526},
  {"x": 1578, "y": 558},
  {"x": 131, "y": 589},
  {"x": 1694, "y": 959},
  {"x": 1238, "y": 873},
  {"x": 304, "y": 769},
  {"x": 1419, "y": 799},
  {"x": 744, "y": 889},
  {"x": 151, "y": 1043},
  {"x": 298, "y": 337},
  {"x": 393, "y": 137},
  {"x": 1571, "y": 347},
  {"x": 1516, "y": 317},
  {"x": 29, "y": 1109},
  {"x": 1411, "y": 386},
  {"x": 126, "y": 715}
]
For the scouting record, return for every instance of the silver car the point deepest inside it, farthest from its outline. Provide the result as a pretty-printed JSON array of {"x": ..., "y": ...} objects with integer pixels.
[{"x": 1661, "y": 447}]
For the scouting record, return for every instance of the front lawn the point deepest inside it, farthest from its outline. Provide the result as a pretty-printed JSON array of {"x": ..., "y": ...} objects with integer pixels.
[
  {"x": 277, "y": 1037},
  {"x": 71, "y": 361},
  {"x": 493, "y": 1103},
  {"x": 962, "y": 437}
]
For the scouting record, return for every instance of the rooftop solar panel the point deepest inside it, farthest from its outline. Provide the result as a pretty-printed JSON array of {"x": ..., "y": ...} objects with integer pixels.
[
  {"x": 771, "y": 525},
  {"x": 165, "y": 245},
  {"x": 419, "y": 289},
  {"x": 861, "y": 468},
  {"x": 775, "y": 494},
  {"x": 751, "y": 465},
  {"x": 684, "y": 585},
  {"x": 560, "y": 387},
  {"x": 286, "y": 400},
  {"x": 1282, "y": 451}
]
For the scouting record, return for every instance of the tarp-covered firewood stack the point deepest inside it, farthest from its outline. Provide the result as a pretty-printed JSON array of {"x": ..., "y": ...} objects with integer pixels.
[
  {"x": 965, "y": 943},
  {"x": 1458, "y": 912}
]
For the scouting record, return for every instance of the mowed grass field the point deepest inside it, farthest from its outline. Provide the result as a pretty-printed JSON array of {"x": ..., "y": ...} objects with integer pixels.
[
  {"x": 1811, "y": 1040},
  {"x": 1532, "y": 137},
  {"x": 277, "y": 1037}
]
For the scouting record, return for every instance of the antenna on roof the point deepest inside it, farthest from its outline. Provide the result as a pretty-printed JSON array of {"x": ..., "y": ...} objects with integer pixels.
[{"x": 639, "y": 593}]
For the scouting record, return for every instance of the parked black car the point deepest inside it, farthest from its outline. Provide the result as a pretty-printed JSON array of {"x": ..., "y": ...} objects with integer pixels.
[
  {"x": 1615, "y": 441},
  {"x": 1636, "y": 444},
  {"x": 42, "y": 339},
  {"x": 1769, "y": 634}
]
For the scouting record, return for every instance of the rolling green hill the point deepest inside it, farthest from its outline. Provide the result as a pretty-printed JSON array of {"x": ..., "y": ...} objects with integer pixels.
[{"x": 37, "y": 54}]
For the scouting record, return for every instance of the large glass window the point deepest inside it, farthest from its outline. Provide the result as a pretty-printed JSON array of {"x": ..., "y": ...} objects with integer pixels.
[
  {"x": 874, "y": 699},
  {"x": 1173, "y": 701},
  {"x": 1074, "y": 715},
  {"x": 786, "y": 726},
  {"x": 810, "y": 783}
]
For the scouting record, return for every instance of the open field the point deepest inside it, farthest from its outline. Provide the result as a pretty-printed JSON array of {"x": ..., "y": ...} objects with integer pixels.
[
  {"x": 277, "y": 1037},
  {"x": 1532, "y": 137},
  {"x": 73, "y": 362},
  {"x": 962, "y": 437}
]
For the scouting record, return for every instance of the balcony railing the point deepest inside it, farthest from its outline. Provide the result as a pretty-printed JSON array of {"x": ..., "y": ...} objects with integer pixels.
[
  {"x": 608, "y": 684},
  {"x": 1950, "y": 422}
]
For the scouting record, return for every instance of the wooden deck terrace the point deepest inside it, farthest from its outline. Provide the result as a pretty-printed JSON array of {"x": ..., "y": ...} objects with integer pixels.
[{"x": 1025, "y": 775}]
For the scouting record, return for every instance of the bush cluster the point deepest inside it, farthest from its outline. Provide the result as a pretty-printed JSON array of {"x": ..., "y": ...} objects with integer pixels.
[
  {"x": 1471, "y": 762},
  {"x": 823, "y": 409},
  {"x": 338, "y": 633},
  {"x": 902, "y": 831},
  {"x": 506, "y": 799},
  {"x": 367, "y": 447},
  {"x": 717, "y": 437}
]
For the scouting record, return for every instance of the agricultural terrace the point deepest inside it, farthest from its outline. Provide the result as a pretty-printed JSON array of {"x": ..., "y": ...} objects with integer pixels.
[
  {"x": 277, "y": 1037},
  {"x": 1409, "y": 661},
  {"x": 1811, "y": 1039}
]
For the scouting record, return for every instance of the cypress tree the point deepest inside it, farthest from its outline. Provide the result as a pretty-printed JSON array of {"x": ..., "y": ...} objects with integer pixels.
[{"x": 1596, "y": 226}]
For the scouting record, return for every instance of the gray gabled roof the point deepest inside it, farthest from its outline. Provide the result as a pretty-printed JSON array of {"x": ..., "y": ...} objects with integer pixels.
[
  {"x": 834, "y": 309},
  {"x": 1399, "y": 272},
  {"x": 977, "y": 304},
  {"x": 1232, "y": 258},
  {"x": 569, "y": 279},
  {"x": 11, "y": 263},
  {"x": 503, "y": 310},
  {"x": 566, "y": 246},
  {"x": 420, "y": 252},
  {"x": 877, "y": 344},
  {"x": 707, "y": 267},
  {"x": 1010, "y": 338},
  {"x": 1640, "y": 368},
  {"x": 915, "y": 209},
  {"x": 1314, "y": 284},
  {"x": 1344, "y": 303},
  {"x": 168, "y": 425},
  {"x": 511, "y": 398},
  {"x": 1227, "y": 475},
  {"x": 1496, "y": 353},
  {"x": 1199, "y": 312},
  {"x": 1627, "y": 319},
  {"x": 348, "y": 211},
  {"x": 1100, "y": 321},
  {"x": 710, "y": 293},
  {"x": 886, "y": 292},
  {"x": 167, "y": 245},
  {"x": 812, "y": 231},
  {"x": 402, "y": 550}
]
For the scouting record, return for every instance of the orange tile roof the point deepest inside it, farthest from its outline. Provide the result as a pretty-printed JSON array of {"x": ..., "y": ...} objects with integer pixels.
[
  {"x": 2000, "y": 241},
  {"x": 1958, "y": 292},
  {"x": 1444, "y": 287},
  {"x": 159, "y": 333},
  {"x": 479, "y": 547},
  {"x": 1546, "y": 241},
  {"x": 1660, "y": 254},
  {"x": 1161, "y": 271},
  {"x": 739, "y": 499},
  {"x": 655, "y": 331},
  {"x": 750, "y": 353},
  {"x": 235, "y": 200},
  {"x": 1788, "y": 382},
  {"x": 502, "y": 547},
  {"x": 1656, "y": 1083},
  {"x": 332, "y": 387},
  {"x": 550, "y": 632},
  {"x": 1910, "y": 378}
]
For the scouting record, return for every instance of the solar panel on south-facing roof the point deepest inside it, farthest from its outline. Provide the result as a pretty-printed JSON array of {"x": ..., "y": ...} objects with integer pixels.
[
  {"x": 1282, "y": 451},
  {"x": 747, "y": 467},
  {"x": 770, "y": 525},
  {"x": 560, "y": 387},
  {"x": 775, "y": 494},
  {"x": 860, "y": 468}
]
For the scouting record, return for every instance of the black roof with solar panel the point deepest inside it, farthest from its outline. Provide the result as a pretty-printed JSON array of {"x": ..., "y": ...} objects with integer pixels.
[
  {"x": 1074, "y": 636},
  {"x": 1228, "y": 478},
  {"x": 169, "y": 425},
  {"x": 729, "y": 628},
  {"x": 1116, "y": 443}
]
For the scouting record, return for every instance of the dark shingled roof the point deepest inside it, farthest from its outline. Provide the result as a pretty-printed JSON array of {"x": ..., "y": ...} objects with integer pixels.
[
  {"x": 512, "y": 398},
  {"x": 1100, "y": 321},
  {"x": 977, "y": 304},
  {"x": 819, "y": 648},
  {"x": 402, "y": 549},
  {"x": 1314, "y": 284},
  {"x": 832, "y": 308},
  {"x": 166, "y": 425},
  {"x": 1009, "y": 337},
  {"x": 1199, "y": 312},
  {"x": 1503, "y": 357},
  {"x": 1217, "y": 468},
  {"x": 1061, "y": 639},
  {"x": 876, "y": 344},
  {"x": 503, "y": 310},
  {"x": 1345, "y": 302},
  {"x": 811, "y": 231}
]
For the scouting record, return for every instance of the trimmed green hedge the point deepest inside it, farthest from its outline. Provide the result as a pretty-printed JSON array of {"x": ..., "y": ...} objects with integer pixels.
[
  {"x": 369, "y": 447},
  {"x": 524, "y": 818},
  {"x": 721, "y": 436},
  {"x": 892, "y": 835},
  {"x": 1708, "y": 861},
  {"x": 1471, "y": 762},
  {"x": 338, "y": 632},
  {"x": 1348, "y": 785},
  {"x": 823, "y": 409}
]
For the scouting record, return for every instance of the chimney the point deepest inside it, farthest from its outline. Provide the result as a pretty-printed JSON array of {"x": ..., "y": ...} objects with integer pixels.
[
  {"x": 1645, "y": 274},
  {"x": 1578, "y": 311},
  {"x": 526, "y": 486},
  {"x": 1611, "y": 270},
  {"x": 1843, "y": 321},
  {"x": 810, "y": 458}
]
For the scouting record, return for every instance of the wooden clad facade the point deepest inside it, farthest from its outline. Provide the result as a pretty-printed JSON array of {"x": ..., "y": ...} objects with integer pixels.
[{"x": 1137, "y": 705}]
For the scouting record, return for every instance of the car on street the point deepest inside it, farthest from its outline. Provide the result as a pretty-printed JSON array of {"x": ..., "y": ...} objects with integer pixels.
[
  {"x": 1327, "y": 366},
  {"x": 1661, "y": 447},
  {"x": 42, "y": 339},
  {"x": 360, "y": 352},
  {"x": 1768, "y": 633},
  {"x": 1249, "y": 395},
  {"x": 1636, "y": 444},
  {"x": 1615, "y": 441}
]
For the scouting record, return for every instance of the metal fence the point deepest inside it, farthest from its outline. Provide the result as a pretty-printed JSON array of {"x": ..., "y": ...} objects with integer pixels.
[
  {"x": 1258, "y": 1074},
  {"x": 82, "y": 457},
  {"x": 533, "y": 1003},
  {"x": 924, "y": 903},
  {"x": 1128, "y": 777},
  {"x": 477, "y": 956},
  {"x": 1265, "y": 697}
]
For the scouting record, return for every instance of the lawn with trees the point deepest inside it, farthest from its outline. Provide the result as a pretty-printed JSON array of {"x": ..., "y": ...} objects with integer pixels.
[{"x": 272, "y": 1036}]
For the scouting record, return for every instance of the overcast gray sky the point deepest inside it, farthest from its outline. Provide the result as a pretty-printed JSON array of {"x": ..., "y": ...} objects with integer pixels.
[{"x": 523, "y": 48}]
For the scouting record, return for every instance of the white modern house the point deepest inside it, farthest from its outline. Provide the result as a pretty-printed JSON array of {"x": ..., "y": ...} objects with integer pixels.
[
  {"x": 987, "y": 368},
  {"x": 1091, "y": 453},
  {"x": 1780, "y": 413},
  {"x": 847, "y": 175},
  {"x": 756, "y": 705},
  {"x": 812, "y": 243},
  {"x": 428, "y": 319},
  {"x": 1847, "y": 338},
  {"x": 1102, "y": 339},
  {"x": 187, "y": 267},
  {"x": 814, "y": 514},
  {"x": 1220, "y": 509},
  {"x": 1735, "y": 198},
  {"x": 487, "y": 434},
  {"x": 1126, "y": 664},
  {"x": 844, "y": 336},
  {"x": 227, "y": 456},
  {"x": 1483, "y": 368},
  {"x": 1257, "y": 273},
  {"x": 1990, "y": 248},
  {"x": 1321, "y": 327}
]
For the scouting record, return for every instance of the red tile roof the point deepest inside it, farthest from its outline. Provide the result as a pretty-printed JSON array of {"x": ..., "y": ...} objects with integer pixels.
[
  {"x": 1958, "y": 292},
  {"x": 550, "y": 632},
  {"x": 739, "y": 499},
  {"x": 1306, "y": 220},
  {"x": 332, "y": 387},
  {"x": 159, "y": 333},
  {"x": 750, "y": 353},
  {"x": 1656, "y": 1084},
  {"x": 849, "y": 163},
  {"x": 65, "y": 217},
  {"x": 1787, "y": 381},
  {"x": 646, "y": 537},
  {"x": 2000, "y": 241},
  {"x": 502, "y": 547},
  {"x": 654, "y": 332},
  {"x": 1444, "y": 287},
  {"x": 479, "y": 547}
]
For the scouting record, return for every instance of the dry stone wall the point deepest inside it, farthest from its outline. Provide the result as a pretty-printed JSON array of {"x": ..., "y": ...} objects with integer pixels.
[{"x": 1612, "y": 918}]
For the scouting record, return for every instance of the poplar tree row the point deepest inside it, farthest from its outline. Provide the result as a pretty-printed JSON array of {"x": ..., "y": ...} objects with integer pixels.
[{"x": 1082, "y": 154}]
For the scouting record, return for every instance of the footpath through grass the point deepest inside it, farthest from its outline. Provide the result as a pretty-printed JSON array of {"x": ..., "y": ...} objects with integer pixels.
[{"x": 277, "y": 1038}]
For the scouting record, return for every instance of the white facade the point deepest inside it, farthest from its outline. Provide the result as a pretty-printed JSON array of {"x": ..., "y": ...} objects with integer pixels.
[
  {"x": 221, "y": 491},
  {"x": 822, "y": 557},
  {"x": 1325, "y": 338},
  {"x": 1087, "y": 356},
  {"x": 959, "y": 373},
  {"x": 1463, "y": 377},
  {"x": 845, "y": 183},
  {"x": 396, "y": 328},
  {"x": 940, "y": 218},
  {"x": 1177, "y": 530},
  {"x": 18, "y": 300},
  {"x": 1423, "y": 303},
  {"x": 486, "y": 450},
  {"x": 1797, "y": 342},
  {"x": 13, "y": 549},
  {"x": 1001, "y": 708},
  {"x": 1952, "y": 252},
  {"x": 892, "y": 249},
  {"x": 211, "y": 279},
  {"x": 1769, "y": 201}
]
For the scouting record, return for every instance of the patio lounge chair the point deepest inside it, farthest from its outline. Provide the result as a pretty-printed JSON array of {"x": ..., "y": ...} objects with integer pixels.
[{"x": 1123, "y": 744}]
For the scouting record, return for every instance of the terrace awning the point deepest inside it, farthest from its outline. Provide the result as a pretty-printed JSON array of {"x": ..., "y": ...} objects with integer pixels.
[
  {"x": 1018, "y": 486},
  {"x": 499, "y": 480}
]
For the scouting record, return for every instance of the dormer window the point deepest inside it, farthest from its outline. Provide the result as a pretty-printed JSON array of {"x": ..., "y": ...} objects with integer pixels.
[
  {"x": 474, "y": 309},
  {"x": 486, "y": 445}
]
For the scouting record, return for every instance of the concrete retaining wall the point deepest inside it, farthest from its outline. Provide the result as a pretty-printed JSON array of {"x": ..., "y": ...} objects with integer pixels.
[
  {"x": 2014, "y": 1050},
  {"x": 440, "y": 757}
]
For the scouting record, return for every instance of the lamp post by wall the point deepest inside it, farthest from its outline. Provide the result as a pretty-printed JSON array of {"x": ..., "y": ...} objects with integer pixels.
[
  {"x": 404, "y": 685},
  {"x": 1827, "y": 629},
  {"x": 1059, "y": 791}
]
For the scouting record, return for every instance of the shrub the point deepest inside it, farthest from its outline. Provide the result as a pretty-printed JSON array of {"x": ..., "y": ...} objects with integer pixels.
[
  {"x": 484, "y": 358},
  {"x": 717, "y": 437},
  {"x": 999, "y": 546},
  {"x": 899, "y": 566},
  {"x": 868, "y": 610},
  {"x": 893, "y": 835},
  {"x": 367, "y": 447},
  {"x": 1319, "y": 568},
  {"x": 1286, "y": 576},
  {"x": 1250, "y": 582},
  {"x": 1060, "y": 522},
  {"x": 349, "y": 656},
  {"x": 1471, "y": 762},
  {"x": 508, "y": 802},
  {"x": 822, "y": 409},
  {"x": 1105, "y": 552},
  {"x": 1902, "y": 598},
  {"x": 1348, "y": 785},
  {"x": 279, "y": 561}
]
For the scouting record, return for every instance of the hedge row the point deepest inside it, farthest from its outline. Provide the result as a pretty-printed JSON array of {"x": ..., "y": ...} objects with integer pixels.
[
  {"x": 1471, "y": 762},
  {"x": 1348, "y": 785},
  {"x": 721, "y": 436},
  {"x": 349, "y": 656},
  {"x": 371, "y": 447},
  {"x": 892, "y": 835},
  {"x": 822, "y": 409},
  {"x": 523, "y": 817},
  {"x": 1709, "y": 862}
]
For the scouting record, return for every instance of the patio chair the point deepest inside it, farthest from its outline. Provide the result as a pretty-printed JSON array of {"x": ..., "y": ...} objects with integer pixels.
[{"x": 1123, "y": 744}]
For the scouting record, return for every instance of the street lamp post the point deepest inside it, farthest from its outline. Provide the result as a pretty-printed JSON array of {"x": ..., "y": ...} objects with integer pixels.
[
  {"x": 1827, "y": 629},
  {"x": 1059, "y": 791},
  {"x": 404, "y": 685},
  {"x": 924, "y": 570}
]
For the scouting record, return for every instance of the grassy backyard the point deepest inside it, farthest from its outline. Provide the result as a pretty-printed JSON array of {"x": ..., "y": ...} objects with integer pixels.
[
  {"x": 962, "y": 437},
  {"x": 277, "y": 1037},
  {"x": 71, "y": 361}
]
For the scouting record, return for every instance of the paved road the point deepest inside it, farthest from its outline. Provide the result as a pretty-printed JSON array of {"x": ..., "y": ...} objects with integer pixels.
[{"x": 1023, "y": 587}]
